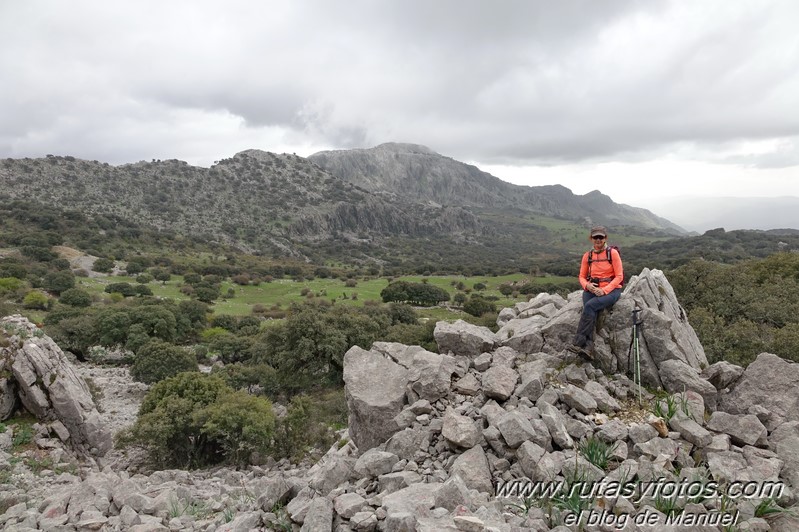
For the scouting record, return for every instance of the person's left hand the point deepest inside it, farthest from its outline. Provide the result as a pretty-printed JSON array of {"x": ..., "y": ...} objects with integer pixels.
[{"x": 598, "y": 291}]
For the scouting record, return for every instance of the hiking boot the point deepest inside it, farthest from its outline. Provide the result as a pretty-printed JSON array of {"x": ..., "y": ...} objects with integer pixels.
[{"x": 582, "y": 351}]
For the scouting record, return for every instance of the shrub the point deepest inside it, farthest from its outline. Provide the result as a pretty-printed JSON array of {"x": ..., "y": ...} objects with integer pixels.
[
  {"x": 307, "y": 424},
  {"x": 57, "y": 282},
  {"x": 126, "y": 289},
  {"x": 241, "y": 376},
  {"x": 103, "y": 265},
  {"x": 193, "y": 420},
  {"x": 76, "y": 297},
  {"x": 477, "y": 306},
  {"x": 158, "y": 360},
  {"x": 417, "y": 293},
  {"x": 239, "y": 424},
  {"x": 231, "y": 348},
  {"x": 241, "y": 279},
  {"x": 142, "y": 290},
  {"x": 35, "y": 299},
  {"x": 402, "y": 313},
  {"x": 167, "y": 426}
]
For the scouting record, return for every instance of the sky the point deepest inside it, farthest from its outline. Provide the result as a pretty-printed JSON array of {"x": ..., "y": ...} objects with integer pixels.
[{"x": 642, "y": 100}]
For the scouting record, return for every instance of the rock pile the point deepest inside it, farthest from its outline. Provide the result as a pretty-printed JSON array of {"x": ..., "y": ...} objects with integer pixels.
[{"x": 451, "y": 441}]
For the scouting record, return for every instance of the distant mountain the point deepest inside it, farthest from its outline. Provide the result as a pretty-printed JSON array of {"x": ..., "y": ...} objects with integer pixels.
[
  {"x": 701, "y": 214},
  {"x": 416, "y": 172},
  {"x": 399, "y": 206},
  {"x": 256, "y": 200}
]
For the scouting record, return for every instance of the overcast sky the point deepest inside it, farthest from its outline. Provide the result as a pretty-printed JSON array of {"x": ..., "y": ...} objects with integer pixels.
[{"x": 639, "y": 99}]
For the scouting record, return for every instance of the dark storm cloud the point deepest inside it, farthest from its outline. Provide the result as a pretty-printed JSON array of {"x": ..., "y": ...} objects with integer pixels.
[{"x": 502, "y": 82}]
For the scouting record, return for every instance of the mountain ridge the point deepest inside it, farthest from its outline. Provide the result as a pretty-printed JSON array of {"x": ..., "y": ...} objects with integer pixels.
[
  {"x": 419, "y": 173},
  {"x": 286, "y": 205}
]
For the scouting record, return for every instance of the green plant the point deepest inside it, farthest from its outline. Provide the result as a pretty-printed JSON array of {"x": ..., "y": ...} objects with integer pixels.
[
  {"x": 38, "y": 463},
  {"x": 196, "y": 509},
  {"x": 596, "y": 451},
  {"x": 23, "y": 435},
  {"x": 667, "y": 407},
  {"x": 569, "y": 499},
  {"x": 158, "y": 360},
  {"x": 228, "y": 514},
  {"x": 240, "y": 424},
  {"x": 769, "y": 508},
  {"x": 523, "y": 508},
  {"x": 668, "y": 505},
  {"x": 193, "y": 419},
  {"x": 702, "y": 477}
]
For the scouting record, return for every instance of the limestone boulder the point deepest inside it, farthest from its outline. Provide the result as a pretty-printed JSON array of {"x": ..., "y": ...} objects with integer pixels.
[
  {"x": 49, "y": 387},
  {"x": 429, "y": 376},
  {"x": 464, "y": 338},
  {"x": 374, "y": 387},
  {"x": 769, "y": 381}
]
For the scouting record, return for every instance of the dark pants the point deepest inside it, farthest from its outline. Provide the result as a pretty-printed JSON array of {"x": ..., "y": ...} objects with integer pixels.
[{"x": 591, "y": 306}]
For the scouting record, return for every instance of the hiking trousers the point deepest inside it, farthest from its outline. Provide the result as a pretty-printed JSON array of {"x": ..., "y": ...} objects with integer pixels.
[{"x": 591, "y": 306}]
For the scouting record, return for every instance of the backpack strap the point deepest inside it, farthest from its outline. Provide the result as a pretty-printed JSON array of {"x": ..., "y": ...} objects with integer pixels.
[{"x": 608, "y": 258}]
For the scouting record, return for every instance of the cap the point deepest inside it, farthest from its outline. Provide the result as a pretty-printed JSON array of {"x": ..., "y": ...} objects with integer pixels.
[{"x": 599, "y": 230}]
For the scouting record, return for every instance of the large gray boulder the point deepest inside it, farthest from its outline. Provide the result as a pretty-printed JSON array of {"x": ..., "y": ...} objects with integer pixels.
[
  {"x": 463, "y": 338},
  {"x": 374, "y": 387},
  {"x": 48, "y": 385},
  {"x": 430, "y": 376},
  {"x": 770, "y": 382}
]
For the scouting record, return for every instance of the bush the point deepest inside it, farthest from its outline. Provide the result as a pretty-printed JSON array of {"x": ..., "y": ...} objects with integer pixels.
[
  {"x": 307, "y": 423},
  {"x": 167, "y": 425},
  {"x": 76, "y": 297},
  {"x": 402, "y": 313},
  {"x": 477, "y": 306},
  {"x": 239, "y": 425},
  {"x": 11, "y": 286},
  {"x": 36, "y": 299},
  {"x": 158, "y": 360},
  {"x": 126, "y": 289},
  {"x": 57, "y": 282},
  {"x": 230, "y": 347},
  {"x": 417, "y": 293},
  {"x": 103, "y": 265},
  {"x": 142, "y": 290},
  {"x": 308, "y": 348},
  {"x": 241, "y": 376},
  {"x": 144, "y": 278}
]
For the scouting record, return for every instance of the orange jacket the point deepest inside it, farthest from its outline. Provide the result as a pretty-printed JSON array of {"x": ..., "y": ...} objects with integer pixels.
[{"x": 601, "y": 268}]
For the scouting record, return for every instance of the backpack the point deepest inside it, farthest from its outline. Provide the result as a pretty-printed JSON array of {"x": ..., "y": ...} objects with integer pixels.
[{"x": 607, "y": 258}]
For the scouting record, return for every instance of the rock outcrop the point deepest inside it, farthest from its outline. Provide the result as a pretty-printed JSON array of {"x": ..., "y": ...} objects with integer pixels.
[
  {"x": 547, "y": 324},
  {"x": 48, "y": 386}
]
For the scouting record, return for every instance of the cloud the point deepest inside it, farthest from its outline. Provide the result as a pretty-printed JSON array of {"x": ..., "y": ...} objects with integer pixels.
[{"x": 516, "y": 83}]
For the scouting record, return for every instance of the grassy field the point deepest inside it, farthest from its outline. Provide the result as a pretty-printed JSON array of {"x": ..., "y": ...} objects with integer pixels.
[{"x": 284, "y": 292}]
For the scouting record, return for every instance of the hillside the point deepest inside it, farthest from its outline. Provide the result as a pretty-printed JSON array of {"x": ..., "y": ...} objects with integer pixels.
[
  {"x": 434, "y": 214},
  {"x": 416, "y": 172},
  {"x": 256, "y": 200}
]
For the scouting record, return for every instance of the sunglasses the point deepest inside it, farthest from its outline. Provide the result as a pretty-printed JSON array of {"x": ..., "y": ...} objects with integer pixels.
[{"x": 598, "y": 237}]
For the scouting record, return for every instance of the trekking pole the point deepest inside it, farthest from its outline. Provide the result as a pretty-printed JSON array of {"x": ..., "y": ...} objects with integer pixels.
[{"x": 637, "y": 368}]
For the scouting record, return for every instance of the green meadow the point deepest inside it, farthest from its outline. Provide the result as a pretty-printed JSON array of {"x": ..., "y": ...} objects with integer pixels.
[{"x": 284, "y": 292}]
